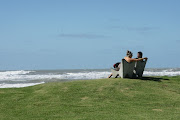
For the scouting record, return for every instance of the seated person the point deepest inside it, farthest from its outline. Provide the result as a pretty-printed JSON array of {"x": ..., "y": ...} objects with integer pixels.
[
  {"x": 129, "y": 58},
  {"x": 116, "y": 67},
  {"x": 139, "y": 55}
]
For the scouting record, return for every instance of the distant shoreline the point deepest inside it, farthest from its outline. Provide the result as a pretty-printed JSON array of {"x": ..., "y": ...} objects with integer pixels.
[
  {"x": 160, "y": 68},
  {"x": 23, "y": 78}
]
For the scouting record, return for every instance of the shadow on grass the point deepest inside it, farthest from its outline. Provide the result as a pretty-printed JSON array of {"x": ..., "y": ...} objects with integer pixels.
[{"x": 157, "y": 79}]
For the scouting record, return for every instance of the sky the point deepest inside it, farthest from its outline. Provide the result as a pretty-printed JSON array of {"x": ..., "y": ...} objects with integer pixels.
[{"x": 87, "y": 34}]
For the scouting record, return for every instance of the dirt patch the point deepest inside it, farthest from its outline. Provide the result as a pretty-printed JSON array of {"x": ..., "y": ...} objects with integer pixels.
[
  {"x": 84, "y": 98},
  {"x": 100, "y": 89},
  {"x": 65, "y": 89},
  {"x": 160, "y": 110}
]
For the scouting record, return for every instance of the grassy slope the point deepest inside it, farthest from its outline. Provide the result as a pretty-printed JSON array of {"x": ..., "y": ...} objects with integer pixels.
[{"x": 107, "y": 99}]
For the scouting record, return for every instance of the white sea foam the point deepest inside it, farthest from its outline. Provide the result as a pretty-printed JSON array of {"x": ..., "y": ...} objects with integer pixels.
[
  {"x": 21, "y": 76},
  {"x": 14, "y": 75},
  {"x": 9, "y": 73},
  {"x": 87, "y": 75},
  {"x": 99, "y": 75},
  {"x": 162, "y": 73},
  {"x": 24, "y": 76},
  {"x": 10, "y": 79},
  {"x": 18, "y": 85}
]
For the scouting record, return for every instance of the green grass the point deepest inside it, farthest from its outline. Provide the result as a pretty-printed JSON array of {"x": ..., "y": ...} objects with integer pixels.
[{"x": 105, "y": 99}]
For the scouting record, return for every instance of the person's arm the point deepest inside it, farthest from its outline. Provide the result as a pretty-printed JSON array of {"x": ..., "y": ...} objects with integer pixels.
[
  {"x": 139, "y": 59},
  {"x": 146, "y": 58}
]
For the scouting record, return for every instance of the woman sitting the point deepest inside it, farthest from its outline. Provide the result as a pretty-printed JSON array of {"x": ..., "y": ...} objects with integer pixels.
[{"x": 129, "y": 58}]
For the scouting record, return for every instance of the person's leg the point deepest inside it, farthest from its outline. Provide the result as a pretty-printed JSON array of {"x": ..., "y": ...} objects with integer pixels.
[
  {"x": 110, "y": 75},
  {"x": 117, "y": 75}
]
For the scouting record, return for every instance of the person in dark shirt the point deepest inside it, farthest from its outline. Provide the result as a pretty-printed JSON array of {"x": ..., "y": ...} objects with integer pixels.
[
  {"x": 129, "y": 59},
  {"x": 139, "y": 55}
]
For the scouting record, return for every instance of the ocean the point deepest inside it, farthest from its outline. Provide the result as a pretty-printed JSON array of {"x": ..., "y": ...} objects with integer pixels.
[{"x": 25, "y": 78}]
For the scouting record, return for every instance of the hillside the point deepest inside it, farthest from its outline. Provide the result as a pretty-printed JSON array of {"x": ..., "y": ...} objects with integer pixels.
[{"x": 153, "y": 98}]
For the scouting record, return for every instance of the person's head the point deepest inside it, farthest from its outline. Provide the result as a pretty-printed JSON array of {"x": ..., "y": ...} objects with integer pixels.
[
  {"x": 129, "y": 54},
  {"x": 139, "y": 54}
]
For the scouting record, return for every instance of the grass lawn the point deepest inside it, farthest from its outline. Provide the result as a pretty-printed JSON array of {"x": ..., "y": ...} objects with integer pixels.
[{"x": 153, "y": 98}]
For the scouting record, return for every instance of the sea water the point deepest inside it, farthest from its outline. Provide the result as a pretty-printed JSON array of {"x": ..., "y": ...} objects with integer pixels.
[{"x": 25, "y": 78}]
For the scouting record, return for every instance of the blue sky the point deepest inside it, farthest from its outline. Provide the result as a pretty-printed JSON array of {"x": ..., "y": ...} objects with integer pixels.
[{"x": 87, "y": 34}]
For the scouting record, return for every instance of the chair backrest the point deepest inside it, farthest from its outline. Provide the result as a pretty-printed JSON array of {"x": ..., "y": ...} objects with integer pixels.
[
  {"x": 139, "y": 68},
  {"x": 127, "y": 69}
]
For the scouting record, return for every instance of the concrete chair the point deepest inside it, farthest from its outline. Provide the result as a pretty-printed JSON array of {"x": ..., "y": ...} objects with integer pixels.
[
  {"x": 130, "y": 70},
  {"x": 139, "y": 68}
]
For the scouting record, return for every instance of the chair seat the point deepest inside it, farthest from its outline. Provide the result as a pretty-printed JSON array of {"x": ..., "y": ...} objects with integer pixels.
[{"x": 130, "y": 70}]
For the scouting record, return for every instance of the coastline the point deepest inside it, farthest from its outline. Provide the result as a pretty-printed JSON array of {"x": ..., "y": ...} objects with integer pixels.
[{"x": 24, "y": 78}]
